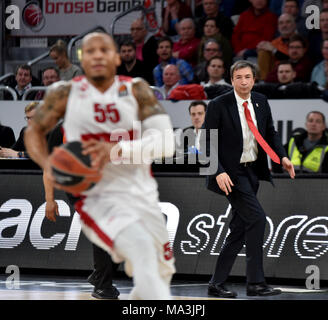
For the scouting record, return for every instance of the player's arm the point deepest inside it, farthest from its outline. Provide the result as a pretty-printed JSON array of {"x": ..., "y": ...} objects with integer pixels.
[
  {"x": 157, "y": 138},
  {"x": 51, "y": 205},
  {"x": 51, "y": 109}
]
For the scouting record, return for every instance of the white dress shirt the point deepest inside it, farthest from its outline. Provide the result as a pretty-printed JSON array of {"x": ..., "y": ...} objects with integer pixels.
[
  {"x": 197, "y": 138},
  {"x": 249, "y": 142}
]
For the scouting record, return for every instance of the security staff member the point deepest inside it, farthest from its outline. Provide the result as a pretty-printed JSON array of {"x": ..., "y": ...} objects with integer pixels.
[{"x": 308, "y": 148}]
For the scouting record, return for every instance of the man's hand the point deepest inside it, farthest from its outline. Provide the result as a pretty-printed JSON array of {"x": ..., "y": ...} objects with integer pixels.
[
  {"x": 265, "y": 45},
  {"x": 224, "y": 182},
  {"x": 101, "y": 152},
  {"x": 52, "y": 210},
  {"x": 288, "y": 166},
  {"x": 8, "y": 153}
]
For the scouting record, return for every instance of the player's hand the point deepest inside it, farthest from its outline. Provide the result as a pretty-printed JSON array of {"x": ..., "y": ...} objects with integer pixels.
[
  {"x": 52, "y": 210},
  {"x": 101, "y": 152},
  {"x": 288, "y": 166},
  {"x": 224, "y": 182}
]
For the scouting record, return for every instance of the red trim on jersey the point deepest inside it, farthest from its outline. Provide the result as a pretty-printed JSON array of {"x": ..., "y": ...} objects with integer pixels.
[
  {"x": 92, "y": 224},
  {"x": 112, "y": 136},
  {"x": 124, "y": 78},
  {"x": 78, "y": 78}
]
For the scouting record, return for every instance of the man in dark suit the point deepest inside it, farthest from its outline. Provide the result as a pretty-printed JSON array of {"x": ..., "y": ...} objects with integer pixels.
[{"x": 239, "y": 117}]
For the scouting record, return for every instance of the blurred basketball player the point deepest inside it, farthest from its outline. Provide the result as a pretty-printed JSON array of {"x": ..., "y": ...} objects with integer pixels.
[{"x": 120, "y": 213}]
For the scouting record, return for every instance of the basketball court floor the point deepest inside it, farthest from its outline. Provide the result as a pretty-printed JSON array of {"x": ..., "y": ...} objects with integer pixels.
[{"x": 75, "y": 287}]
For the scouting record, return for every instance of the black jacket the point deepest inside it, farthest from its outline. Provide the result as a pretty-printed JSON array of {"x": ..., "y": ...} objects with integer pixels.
[
  {"x": 222, "y": 114},
  {"x": 7, "y": 136}
]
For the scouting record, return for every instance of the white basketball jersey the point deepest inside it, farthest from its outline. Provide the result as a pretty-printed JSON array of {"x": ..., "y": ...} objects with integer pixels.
[{"x": 92, "y": 114}]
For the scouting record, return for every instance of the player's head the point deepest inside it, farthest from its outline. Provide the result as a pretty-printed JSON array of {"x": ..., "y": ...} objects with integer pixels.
[{"x": 99, "y": 56}]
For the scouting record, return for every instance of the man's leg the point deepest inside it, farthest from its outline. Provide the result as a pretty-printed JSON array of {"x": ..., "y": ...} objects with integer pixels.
[
  {"x": 137, "y": 247},
  {"x": 102, "y": 276}
]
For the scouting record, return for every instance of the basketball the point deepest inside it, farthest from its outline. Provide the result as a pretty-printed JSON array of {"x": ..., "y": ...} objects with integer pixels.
[{"x": 71, "y": 169}]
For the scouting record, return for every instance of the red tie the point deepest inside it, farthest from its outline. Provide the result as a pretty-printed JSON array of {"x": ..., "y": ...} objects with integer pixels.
[{"x": 258, "y": 136}]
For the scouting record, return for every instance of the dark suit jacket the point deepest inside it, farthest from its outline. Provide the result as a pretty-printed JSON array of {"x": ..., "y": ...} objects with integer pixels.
[
  {"x": 222, "y": 114},
  {"x": 7, "y": 136}
]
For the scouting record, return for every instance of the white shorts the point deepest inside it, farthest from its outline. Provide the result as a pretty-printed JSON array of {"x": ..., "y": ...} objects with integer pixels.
[{"x": 103, "y": 218}]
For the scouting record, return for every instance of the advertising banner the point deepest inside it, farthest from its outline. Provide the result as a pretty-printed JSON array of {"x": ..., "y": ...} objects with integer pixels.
[{"x": 197, "y": 221}]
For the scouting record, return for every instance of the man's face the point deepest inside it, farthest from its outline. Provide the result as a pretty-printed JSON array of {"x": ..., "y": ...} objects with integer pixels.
[
  {"x": 59, "y": 59},
  {"x": 29, "y": 116},
  {"x": 138, "y": 31},
  {"x": 243, "y": 81},
  {"x": 171, "y": 75},
  {"x": 258, "y": 4},
  {"x": 296, "y": 50},
  {"x": 23, "y": 78},
  {"x": 127, "y": 53},
  {"x": 285, "y": 73},
  {"x": 49, "y": 77},
  {"x": 216, "y": 69},
  {"x": 291, "y": 8},
  {"x": 212, "y": 49},
  {"x": 286, "y": 25},
  {"x": 324, "y": 50},
  {"x": 210, "y": 8},
  {"x": 197, "y": 115},
  {"x": 186, "y": 30},
  {"x": 99, "y": 58},
  {"x": 315, "y": 124},
  {"x": 324, "y": 22},
  {"x": 164, "y": 50}
]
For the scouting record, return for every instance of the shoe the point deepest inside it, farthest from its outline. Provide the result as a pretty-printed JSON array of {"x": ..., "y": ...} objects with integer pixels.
[
  {"x": 219, "y": 290},
  {"x": 261, "y": 289},
  {"x": 108, "y": 293}
]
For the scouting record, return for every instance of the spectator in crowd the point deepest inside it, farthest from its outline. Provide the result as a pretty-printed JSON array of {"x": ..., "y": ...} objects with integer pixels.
[
  {"x": 300, "y": 61},
  {"x": 187, "y": 46},
  {"x": 164, "y": 51},
  {"x": 307, "y": 149},
  {"x": 316, "y": 37},
  {"x": 174, "y": 12},
  {"x": 215, "y": 70},
  {"x": 23, "y": 82},
  {"x": 269, "y": 53},
  {"x": 320, "y": 71},
  {"x": 211, "y": 9},
  {"x": 67, "y": 70},
  {"x": 171, "y": 78},
  {"x": 211, "y": 31},
  {"x": 130, "y": 65},
  {"x": 292, "y": 7},
  {"x": 211, "y": 49},
  {"x": 50, "y": 75},
  {"x": 146, "y": 44},
  {"x": 18, "y": 149},
  {"x": 7, "y": 137},
  {"x": 255, "y": 24},
  {"x": 191, "y": 135},
  {"x": 286, "y": 88}
]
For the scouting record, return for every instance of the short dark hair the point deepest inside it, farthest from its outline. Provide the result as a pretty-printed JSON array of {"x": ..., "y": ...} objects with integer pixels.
[
  {"x": 211, "y": 19},
  {"x": 297, "y": 37},
  {"x": 166, "y": 38},
  {"x": 283, "y": 62},
  {"x": 128, "y": 43},
  {"x": 241, "y": 64},
  {"x": 213, "y": 58},
  {"x": 196, "y": 103},
  {"x": 51, "y": 68},
  {"x": 293, "y": 1},
  {"x": 317, "y": 112},
  {"x": 25, "y": 67}
]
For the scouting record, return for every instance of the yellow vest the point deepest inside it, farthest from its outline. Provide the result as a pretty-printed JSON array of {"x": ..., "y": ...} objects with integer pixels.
[{"x": 312, "y": 162}]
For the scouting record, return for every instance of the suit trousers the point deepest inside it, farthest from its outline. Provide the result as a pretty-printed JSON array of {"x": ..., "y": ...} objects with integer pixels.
[
  {"x": 104, "y": 268},
  {"x": 247, "y": 227}
]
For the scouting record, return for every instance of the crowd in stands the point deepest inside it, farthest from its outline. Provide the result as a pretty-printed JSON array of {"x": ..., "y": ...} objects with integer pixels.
[
  {"x": 269, "y": 33},
  {"x": 190, "y": 56}
]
